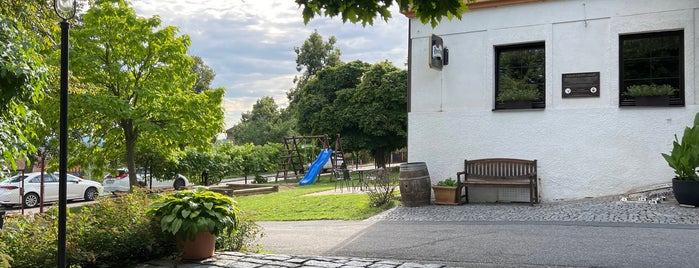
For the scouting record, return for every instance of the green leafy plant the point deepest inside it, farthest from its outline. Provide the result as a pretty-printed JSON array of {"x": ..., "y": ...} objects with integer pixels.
[
  {"x": 385, "y": 185},
  {"x": 241, "y": 240},
  {"x": 516, "y": 90},
  {"x": 650, "y": 90},
  {"x": 518, "y": 95},
  {"x": 447, "y": 182},
  {"x": 684, "y": 157},
  {"x": 199, "y": 210},
  {"x": 113, "y": 232}
]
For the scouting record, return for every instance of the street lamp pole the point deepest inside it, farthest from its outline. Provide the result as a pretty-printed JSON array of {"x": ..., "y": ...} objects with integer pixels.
[{"x": 65, "y": 9}]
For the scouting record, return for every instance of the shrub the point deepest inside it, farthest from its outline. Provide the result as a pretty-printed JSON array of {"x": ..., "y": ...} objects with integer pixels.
[
  {"x": 116, "y": 230},
  {"x": 30, "y": 240},
  {"x": 518, "y": 94},
  {"x": 384, "y": 188},
  {"x": 650, "y": 90},
  {"x": 242, "y": 239},
  {"x": 112, "y": 232},
  {"x": 259, "y": 179}
]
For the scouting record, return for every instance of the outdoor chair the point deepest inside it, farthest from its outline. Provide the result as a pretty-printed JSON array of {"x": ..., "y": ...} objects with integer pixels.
[{"x": 344, "y": 178}]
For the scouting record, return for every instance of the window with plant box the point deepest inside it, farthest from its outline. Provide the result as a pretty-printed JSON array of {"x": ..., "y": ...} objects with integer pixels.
[
  {"x": 651, "y": 64},
  {"x": 520, "y": 76}
]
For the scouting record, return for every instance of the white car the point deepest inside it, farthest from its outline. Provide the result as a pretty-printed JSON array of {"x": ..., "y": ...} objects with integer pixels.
[
  {"x": 120, "y": 183},
  {"x": 77, "y": 189}
]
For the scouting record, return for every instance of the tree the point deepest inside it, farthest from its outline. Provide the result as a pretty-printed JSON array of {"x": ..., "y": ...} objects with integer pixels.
[
  {"x": 366, "y": 104},
  {"x": 379, "y": 107},
  {"x": 204, "y": 75},
  {"x": 136, "y": 83},
  {"x": 23, "y": 77},
  {"x": 365, "y": 12},
  {"x": 263, "y": 124},
  {"x": 316, "y": 111},
  {"x": 311, "y": 57}
]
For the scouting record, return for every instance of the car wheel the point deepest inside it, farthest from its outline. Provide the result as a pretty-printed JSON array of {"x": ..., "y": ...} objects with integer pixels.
[
  {"x": 179, "y": 184},
  {"x": 90, "y": 194},
  {"x": 31, "y": 200}
]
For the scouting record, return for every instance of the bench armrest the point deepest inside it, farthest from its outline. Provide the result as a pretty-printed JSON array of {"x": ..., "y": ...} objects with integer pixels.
[{"x": 458, "y": 176}]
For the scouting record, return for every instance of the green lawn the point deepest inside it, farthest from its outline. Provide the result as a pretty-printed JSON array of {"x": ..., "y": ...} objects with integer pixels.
[{"x": 291, "y": 204}]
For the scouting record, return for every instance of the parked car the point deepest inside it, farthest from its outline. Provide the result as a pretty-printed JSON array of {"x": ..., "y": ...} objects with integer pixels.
[
  {"x": 120, "y": 183},
  {"x": 77, "y": 189}
]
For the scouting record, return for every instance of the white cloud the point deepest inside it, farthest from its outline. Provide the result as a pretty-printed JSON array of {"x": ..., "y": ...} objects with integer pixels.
[{"x": 249, "y": 43}]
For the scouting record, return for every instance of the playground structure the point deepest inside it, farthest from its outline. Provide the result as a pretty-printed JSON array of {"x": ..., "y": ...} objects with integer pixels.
[{"x": 292, "y": 162}]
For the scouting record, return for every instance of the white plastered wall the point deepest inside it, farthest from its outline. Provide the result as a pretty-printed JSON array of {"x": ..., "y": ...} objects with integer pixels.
[{"x": 585, "y": 147}]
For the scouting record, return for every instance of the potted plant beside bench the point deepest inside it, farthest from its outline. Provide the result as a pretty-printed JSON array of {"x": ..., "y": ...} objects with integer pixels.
[
  {"x": 446, "y": 192},
  {"x": 684, "y": 159}
]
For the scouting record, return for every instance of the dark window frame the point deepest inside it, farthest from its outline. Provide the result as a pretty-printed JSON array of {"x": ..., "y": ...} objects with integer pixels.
[
  {"x": 676, "y": 100},
  {"x": 540, "y": 104}
]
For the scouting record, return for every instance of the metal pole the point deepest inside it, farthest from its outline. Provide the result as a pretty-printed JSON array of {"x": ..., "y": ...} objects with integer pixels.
[{"x": 63, "y": 144}]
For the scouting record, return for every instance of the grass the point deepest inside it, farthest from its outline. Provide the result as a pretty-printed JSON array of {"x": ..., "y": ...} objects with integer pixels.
[{"x": 292, "y": 204}]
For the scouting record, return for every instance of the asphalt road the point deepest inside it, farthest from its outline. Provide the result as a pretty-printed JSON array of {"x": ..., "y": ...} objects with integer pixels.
[{"x": 492, "y": 244}]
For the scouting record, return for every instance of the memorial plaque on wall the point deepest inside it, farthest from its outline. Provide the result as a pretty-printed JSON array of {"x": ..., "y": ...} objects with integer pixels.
[{"x": 580, "y": 85}]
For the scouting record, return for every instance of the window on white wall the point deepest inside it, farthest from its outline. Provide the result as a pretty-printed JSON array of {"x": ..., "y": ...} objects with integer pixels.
[
  {"x": 651, "y": 69},
  {"x": 520, "y": 76}
]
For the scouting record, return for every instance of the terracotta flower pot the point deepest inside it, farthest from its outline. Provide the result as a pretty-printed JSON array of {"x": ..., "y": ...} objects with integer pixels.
[
  {"x": 446, "y": 195},
  {"x": 203, "y": 246}
]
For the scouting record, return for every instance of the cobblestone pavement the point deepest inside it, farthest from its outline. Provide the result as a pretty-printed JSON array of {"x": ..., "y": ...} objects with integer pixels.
[
  {"x": 607, "y": 210},
  {"x": 252, "y": 260},
  {"x": 601, "y": 210}
]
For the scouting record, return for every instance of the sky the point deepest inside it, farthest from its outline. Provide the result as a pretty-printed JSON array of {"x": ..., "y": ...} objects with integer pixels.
[{"x": 250, "y": 43}]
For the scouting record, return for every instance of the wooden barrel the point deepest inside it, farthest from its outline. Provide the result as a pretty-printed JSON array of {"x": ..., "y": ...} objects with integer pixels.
[{"x": 415, "y": 184}]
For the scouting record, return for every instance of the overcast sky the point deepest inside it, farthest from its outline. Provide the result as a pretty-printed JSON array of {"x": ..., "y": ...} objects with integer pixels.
[{"x": 250, "y": 44}]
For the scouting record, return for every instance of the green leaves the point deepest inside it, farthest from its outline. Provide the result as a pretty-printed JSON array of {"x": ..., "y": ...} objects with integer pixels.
[
  {"x": 684, "y": 157},
  {"x": 23, "y": 79},
  {"x": 192, "y": 211},
  {"x": 365, "y": 11}
]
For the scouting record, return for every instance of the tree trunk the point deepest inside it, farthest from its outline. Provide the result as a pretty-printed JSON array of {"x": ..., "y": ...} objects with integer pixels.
[
  {"x": 380, "y": 157},
  {"x": 130, "y": 135}
]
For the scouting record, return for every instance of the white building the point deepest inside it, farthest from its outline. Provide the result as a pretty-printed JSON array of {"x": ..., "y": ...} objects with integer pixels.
[{"x": 589, "y": 137}]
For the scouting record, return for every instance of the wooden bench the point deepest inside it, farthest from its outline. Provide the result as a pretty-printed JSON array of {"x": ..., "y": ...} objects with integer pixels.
[{"x": 499, "y": 172}]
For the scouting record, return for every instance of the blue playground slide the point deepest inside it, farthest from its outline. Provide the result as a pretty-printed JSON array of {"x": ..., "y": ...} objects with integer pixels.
[{"x": 315, "y": 168}]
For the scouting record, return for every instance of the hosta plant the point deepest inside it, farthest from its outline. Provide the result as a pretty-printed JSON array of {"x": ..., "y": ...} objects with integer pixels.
[{"x": 198, "y": 210}]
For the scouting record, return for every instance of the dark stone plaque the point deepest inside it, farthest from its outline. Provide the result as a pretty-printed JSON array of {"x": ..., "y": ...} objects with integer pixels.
[{"x": 580, "y": 85}]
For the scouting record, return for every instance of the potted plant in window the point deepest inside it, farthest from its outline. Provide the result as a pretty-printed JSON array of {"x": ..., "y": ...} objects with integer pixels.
[
  {"x": 651, "y": 95},
  {"x": 516, "y": 94},
  {"x": 195, "y": 217},
  {"x": 446, "y": 192},
  {"x": 684, "y": 159}
]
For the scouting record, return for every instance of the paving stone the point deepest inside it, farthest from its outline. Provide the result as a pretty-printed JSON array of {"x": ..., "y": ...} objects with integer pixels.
[
  {"x": 358, "y": 263},
  {"x": 326, "y": 264}
]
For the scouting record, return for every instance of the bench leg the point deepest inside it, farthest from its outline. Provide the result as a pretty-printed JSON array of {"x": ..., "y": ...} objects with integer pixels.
[{"x": 463, "y": 198}]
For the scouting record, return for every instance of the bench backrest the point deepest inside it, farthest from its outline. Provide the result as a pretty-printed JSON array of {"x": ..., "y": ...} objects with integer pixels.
[{"x": 500, "y": 168}]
